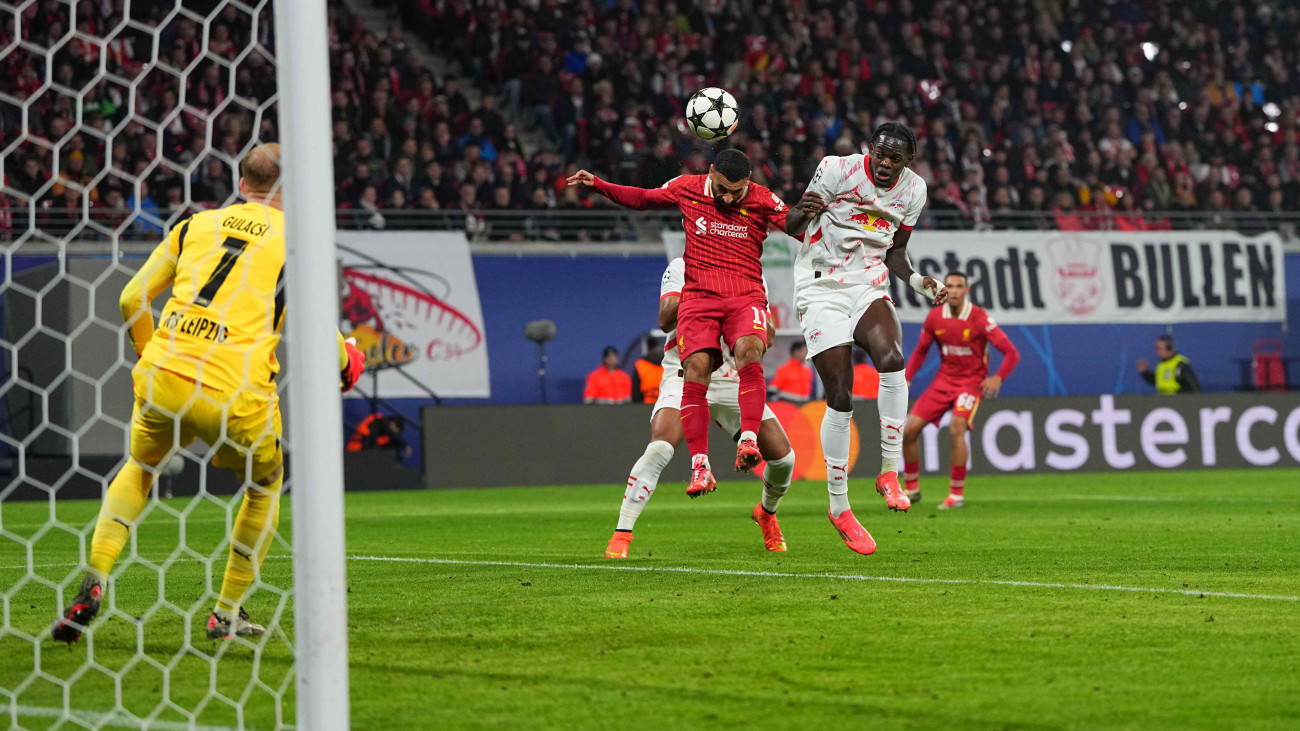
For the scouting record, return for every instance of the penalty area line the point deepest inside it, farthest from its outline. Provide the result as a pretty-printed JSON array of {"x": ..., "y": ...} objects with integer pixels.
[
  {"x": 839, "y": 577},
  {"x": 106, "y": 720}
]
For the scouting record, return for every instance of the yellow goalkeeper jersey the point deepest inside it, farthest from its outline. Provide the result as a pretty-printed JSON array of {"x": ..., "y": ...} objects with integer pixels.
[{"x": 221, "y": 325}]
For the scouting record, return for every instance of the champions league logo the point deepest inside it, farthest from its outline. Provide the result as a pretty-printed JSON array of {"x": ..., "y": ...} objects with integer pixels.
[{"x": 1075, "y": 271}]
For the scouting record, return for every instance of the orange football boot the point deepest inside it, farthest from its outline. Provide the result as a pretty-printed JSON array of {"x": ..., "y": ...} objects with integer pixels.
[
  {"x": 772, "y": 537},
  {"x": 617, "y": 547}
]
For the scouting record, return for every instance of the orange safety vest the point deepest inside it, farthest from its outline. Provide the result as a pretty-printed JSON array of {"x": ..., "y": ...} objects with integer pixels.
[
  {"x": 794, "y": 378},
  {"x": 651, "y": 375},
  {"x": 866, "y": 381},
  {"x": 603, "y": 385}
]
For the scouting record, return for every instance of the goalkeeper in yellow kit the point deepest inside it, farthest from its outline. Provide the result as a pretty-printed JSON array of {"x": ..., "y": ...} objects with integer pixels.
[{"x": 208, "y": 372}]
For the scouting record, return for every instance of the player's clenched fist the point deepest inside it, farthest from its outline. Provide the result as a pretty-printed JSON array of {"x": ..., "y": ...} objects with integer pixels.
[
  {"x": 811, "y": 203},
  {"x": 356, "y": 364},
  {"x": 582, "y": 177}
]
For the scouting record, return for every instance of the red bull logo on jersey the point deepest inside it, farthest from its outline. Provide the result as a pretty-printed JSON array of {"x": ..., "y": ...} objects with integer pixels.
[{"x": 872, "y": 222}]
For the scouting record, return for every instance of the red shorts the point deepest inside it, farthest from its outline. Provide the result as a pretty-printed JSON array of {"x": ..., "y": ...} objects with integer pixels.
[
  {"x": 704, "y": 321},
  {"x": 963, "y": 397}
]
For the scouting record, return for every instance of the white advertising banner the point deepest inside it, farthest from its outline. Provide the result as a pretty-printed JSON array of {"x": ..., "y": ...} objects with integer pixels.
[
  {"x": 1074, "y": 277},
  {"x": 411, "y": 301},
  {"x": 1068, "y": 277}
]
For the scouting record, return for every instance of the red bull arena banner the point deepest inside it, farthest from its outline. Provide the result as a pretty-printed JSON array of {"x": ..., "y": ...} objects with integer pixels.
[
  {"x": 411, "y": 302},
  {"x": 1078, "y": 277}
]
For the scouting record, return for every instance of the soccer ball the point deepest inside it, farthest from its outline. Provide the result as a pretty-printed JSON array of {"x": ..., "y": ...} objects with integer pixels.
[{"x": 712, "y": 113}]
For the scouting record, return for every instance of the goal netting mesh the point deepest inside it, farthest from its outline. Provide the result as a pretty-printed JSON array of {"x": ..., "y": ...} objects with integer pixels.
[{"x": 118, "y": 120}]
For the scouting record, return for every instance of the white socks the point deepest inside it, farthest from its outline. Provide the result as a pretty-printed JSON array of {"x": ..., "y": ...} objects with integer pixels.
[
  {"x": 776, "y": 480},
  {"x": 641, "y": 483},
  {"x": 892, "y": 403},
  {"x": 835, "y": 447}
]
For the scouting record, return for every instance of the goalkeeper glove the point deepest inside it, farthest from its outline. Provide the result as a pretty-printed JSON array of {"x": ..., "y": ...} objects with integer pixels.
[{"x": 356, "y": 364}]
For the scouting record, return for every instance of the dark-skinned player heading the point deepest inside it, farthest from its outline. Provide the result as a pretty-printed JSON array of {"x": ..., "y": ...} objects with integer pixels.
[
  {"x": 726, "y": 218},
  {"x": 964, "y": 331},
  {"x": 856, "y": 219}
]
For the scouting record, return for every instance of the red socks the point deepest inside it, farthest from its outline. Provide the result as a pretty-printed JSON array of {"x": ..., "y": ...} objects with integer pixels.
[
  {"x": 911, "y": 475},
  {"x": 695, "y": 417},
  {"x": 958, "y": 480},
  {"x": 753, "y": 397}
]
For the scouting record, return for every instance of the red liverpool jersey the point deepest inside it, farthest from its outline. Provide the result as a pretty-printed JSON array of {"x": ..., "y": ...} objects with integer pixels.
[
  {"x": 724, "y": 246},
  {"x": 963, "y": 344}
]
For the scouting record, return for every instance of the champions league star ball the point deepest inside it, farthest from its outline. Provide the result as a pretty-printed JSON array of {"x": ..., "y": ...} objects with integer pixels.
[{"x": 712, "y": 113}]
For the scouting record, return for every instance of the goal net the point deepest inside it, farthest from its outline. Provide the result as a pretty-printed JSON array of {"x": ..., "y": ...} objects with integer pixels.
[{"x": 119, "y": 120}]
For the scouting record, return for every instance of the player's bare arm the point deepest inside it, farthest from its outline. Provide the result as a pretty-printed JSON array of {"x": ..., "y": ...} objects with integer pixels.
[
  {"x": 668, "y": 312},
  {"x": 899, "y": 265},
  {"x": 803, "y": 212}
]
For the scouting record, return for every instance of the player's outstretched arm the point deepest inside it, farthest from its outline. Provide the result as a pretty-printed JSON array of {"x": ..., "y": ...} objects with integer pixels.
[
  {"x": 1010, "y": 357},
  {"x": 803, "y": 212},
  {"x": 641, "y": 199},
  {"x": 155, "y": 276},
  {"x": 898, "y": 263},
  {"x": 917, "y": 359}
]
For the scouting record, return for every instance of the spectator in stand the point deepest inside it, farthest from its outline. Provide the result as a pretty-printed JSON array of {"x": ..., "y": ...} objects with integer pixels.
[
  {"x": 1170, "y": 101},
  {"x": 793, "y": 381},
  {"x": 608, "y": 384}
]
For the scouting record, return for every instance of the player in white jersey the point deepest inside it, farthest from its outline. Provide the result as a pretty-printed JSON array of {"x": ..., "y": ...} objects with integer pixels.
[
  {"x": 724, "y": 406},
  {"x": 856, "y": 218}
]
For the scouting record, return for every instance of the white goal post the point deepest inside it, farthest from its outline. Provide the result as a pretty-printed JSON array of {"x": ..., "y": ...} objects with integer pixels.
[
  {"x": 183, "y": 89},
  {"x": 315, "y": 414}
]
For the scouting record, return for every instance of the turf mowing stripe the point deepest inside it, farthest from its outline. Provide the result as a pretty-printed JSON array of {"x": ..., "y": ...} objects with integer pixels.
[
  {"x": 109, "y": 720},
  {"x": 842, "y": 577}
]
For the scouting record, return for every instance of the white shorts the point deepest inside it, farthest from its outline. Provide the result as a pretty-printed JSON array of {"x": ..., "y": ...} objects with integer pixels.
[
  {"x": 724, "y": 402},
  {"x": 829, "y": 312}
]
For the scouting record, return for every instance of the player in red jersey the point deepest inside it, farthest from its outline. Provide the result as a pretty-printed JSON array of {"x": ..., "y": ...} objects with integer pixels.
[
  {"x": 964, "y": 332},
  {"x": 726, "y": 218}
]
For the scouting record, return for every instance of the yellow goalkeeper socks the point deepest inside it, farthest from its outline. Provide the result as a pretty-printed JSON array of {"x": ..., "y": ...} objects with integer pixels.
[
  {"x": 253, "y": 534},
  {"x": 126, "y": 498}
]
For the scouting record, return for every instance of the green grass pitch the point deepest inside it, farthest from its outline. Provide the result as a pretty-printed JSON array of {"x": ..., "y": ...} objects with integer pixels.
[{"x": 814, "y": 638}]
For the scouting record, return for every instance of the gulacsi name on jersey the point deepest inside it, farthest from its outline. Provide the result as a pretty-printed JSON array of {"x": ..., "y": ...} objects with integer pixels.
[
  {"x": 244, "y": 225},
  {"x": 196, "y": 326}
]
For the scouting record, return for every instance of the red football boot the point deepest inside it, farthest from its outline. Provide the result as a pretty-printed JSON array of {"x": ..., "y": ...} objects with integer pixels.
[
  {"x": 702, "y": 481},
  {"x": 855, "y": 536},
  {"x": 895, "y": 498}
]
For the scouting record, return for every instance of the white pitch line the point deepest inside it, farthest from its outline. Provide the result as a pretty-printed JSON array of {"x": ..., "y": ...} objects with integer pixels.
[
  {"x": 790, "y": 575},
  {"x": 110, "y": 720},
  {"x": 841, "y": 577}
]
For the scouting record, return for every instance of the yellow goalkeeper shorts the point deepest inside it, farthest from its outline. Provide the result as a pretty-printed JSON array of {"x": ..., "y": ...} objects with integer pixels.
[{"x": 171, "y": 411}]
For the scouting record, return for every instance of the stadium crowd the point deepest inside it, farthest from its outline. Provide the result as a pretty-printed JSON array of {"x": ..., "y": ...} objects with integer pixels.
[{"x": 1029, "y": 113}]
